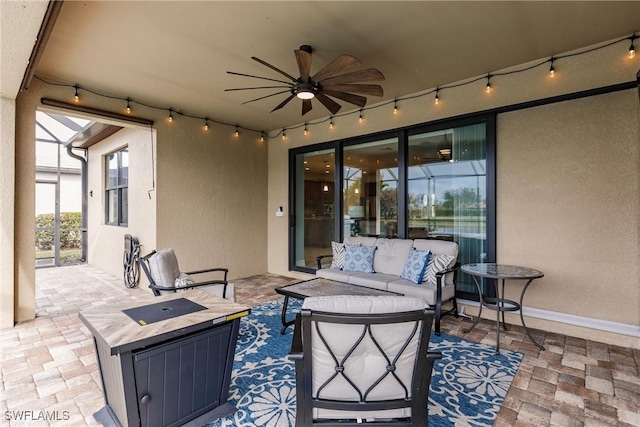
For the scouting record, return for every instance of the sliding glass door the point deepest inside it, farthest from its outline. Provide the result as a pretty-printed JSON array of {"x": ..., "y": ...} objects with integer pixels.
[
  {"x": 430, "y": 181},
  {"x": 370, "y": 188},
  {"x": 313, "y": 228},
  {"x": 447, "y": 190}
]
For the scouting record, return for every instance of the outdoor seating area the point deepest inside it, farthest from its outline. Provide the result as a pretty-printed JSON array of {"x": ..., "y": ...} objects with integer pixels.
[{"x": 49, "y": 363}]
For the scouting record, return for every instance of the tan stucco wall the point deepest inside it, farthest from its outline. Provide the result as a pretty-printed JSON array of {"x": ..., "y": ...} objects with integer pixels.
[
  {"x": 567, "y": 190},
  {"x": 106, "y": 242},
  {"x": 7, "y": 204},
  {"x": 210, "y": 194}
]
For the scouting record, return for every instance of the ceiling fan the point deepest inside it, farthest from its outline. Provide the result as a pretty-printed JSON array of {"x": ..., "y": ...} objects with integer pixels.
[{"x": 332, "y": 81}]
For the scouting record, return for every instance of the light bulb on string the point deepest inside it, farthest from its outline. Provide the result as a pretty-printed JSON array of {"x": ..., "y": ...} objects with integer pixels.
[
  {"x": 552, "y": 70},
  {"x": 170, "y": 115},
  {"x": 261, "y": 136},
  {"x": 632, "y": 48},
  {"x": 488, "y": 88},
  {"x": 284, "y": 134},
  {"x": 331, "y": 122},
  {"x": 437, "y": 98},
  {"x": 128, "y": 109},
  {"x": 237, "y": 131},
  {"x": 360, "y": 119},
  {"x": 206, "y": 124},
  {"x": 306, "y": 131},
  {"x": 395, "y": 106},
  {"x": 76, "y": 97}
]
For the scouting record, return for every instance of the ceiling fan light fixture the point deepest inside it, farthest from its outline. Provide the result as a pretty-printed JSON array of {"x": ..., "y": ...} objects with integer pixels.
[{"x": 305, "y": 94}]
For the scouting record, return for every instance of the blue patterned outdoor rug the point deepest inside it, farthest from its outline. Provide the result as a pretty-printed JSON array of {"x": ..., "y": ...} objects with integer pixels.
[{"x": 468, "y": 384}]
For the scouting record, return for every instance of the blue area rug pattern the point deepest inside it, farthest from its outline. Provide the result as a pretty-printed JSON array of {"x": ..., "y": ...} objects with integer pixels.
[{"x": 468, "y": 384}]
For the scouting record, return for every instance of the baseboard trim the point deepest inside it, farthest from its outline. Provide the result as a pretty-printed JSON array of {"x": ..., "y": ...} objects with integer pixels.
[{"x": 572, "y": 319}]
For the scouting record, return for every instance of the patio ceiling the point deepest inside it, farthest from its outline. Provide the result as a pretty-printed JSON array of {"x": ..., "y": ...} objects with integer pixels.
[{"x": 176, "y": 54}]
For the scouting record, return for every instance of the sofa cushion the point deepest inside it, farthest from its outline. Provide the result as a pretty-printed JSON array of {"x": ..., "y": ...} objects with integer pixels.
[
  {"x": 437, "y": 262},
  {"x": 360, "y": 240},
  {"x": 376, "y": 281},
  {"x": 415, "y": 266},
  {"x": 391, "y": 255},
  {"x": 425, "y": 291},
  {"x": 359, "y": 258},
  {"x": 334, "y": 274}
]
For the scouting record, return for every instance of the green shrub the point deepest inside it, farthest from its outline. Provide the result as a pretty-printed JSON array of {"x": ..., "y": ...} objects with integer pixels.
[{"x": 70, "y": 231}]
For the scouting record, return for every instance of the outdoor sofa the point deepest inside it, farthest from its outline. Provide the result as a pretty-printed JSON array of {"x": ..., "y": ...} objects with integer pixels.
[{"x": 398, "y": 265}]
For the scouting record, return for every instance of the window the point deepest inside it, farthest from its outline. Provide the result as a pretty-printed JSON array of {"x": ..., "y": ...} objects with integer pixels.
[
  {"x": 426, "y": 181},
  {"x": 117, "y": 187}
]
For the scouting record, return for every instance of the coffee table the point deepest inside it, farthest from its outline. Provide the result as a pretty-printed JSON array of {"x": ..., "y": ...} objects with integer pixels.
[{"x": 322, "y": 287}]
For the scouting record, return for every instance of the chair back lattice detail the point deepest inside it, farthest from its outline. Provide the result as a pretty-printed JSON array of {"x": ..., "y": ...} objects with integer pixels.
[{"x": 363, "y": 365}]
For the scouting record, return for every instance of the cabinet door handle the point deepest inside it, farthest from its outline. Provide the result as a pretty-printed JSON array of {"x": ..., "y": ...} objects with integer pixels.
[{"x": 145, "y": 399}]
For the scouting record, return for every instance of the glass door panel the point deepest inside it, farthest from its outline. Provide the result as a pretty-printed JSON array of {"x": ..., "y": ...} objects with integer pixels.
[
  {"x": 370, "y": 189},
  {"x": 447, "y": 191},
  {"x": 314, "y": 226}
]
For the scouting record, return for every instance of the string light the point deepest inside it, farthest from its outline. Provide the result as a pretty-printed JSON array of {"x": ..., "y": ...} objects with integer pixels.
[
  {"x": 395, "y": 106},
  {"x": 488, "y": 88},
  {"x": 284, "y": 134},
  {"x": 261, "y": 136},
  {"x": 630, "y": 54},
  {"x": 306, "y": 131},
  {"x": 206, "y": 124}
]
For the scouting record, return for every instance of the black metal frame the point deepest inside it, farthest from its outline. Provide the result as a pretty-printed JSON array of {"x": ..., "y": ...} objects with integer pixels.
[
  {"x": 144, "y": 263},
  {"x": 416, "y": 393}
]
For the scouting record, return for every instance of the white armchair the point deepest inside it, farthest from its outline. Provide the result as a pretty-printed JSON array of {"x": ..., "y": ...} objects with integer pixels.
[{"x": 362, "y": 357}]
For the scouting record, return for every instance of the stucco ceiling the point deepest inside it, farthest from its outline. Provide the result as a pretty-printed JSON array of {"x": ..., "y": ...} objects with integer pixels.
[{"x": 176, "y": 54}]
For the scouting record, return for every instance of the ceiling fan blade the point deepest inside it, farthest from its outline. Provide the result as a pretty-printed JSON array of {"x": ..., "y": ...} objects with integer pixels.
[
  {"x": 375, "y": 90},
  {"x": 358, "y": 100},
  {"x": 368, "y": 75},
  {"x": 306, "y": 106},
  {"x": 266, "y": 96},
  {"x": 283, "y": 103},
  {"x": 303, "y": 59},
  {"x": 329, "y": 103},
  {"x": 338, "y": 65},
  {"x": 278, "y": 70},
  {"x": 257, "y": 77},
  {"x": 256, "y": 87}
]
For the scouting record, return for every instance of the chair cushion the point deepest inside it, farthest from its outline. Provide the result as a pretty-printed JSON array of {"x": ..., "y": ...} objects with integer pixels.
[
  {"x": 164, "y": 269},
  {"x": 425, "y": 291},
  {"x": 415, "y": 266},
  {"x": 437, "y": 262},
  {"x": 366, "y": 363},
  {"x": 391, "y": 255},
  {"x": 217, "y": 290},
  {"x": 359, "y": 258}
]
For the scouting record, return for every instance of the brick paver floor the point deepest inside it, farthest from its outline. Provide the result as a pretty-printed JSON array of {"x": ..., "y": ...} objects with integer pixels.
[{"x": 48, "y": 365}]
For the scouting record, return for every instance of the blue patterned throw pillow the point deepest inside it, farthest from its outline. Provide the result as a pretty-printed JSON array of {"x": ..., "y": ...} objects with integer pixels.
[
  {"x": 359, "y": 258},
  {"x": 415, "y": 266}
]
